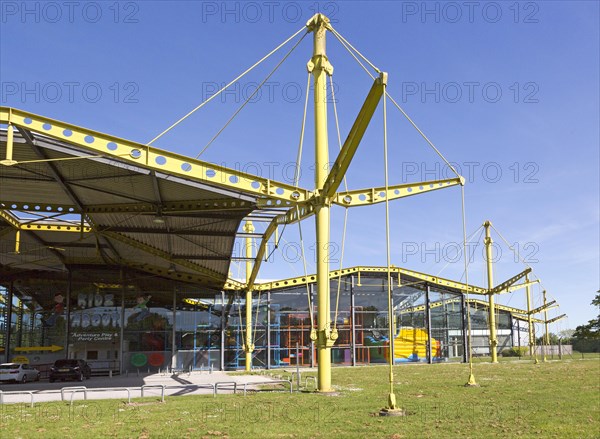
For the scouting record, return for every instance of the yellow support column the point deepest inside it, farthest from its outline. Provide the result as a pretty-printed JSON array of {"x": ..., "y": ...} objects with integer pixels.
[
  {"x": 249, "y": 347},
  {"x": 529, "y": 321},
  {"x": 320, "y": 67},
  {"x": 491, "y": 305},
  {"x": 18, "y": 242},
  {"x": 8, "y": 161},
  {"x": 546, "y": 335},
  {"x": 9, "y": 145}
]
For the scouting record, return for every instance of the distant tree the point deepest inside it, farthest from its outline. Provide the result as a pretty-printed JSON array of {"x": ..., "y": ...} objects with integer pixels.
[
  {"x": 592, "y": 329},
  {"x": 566, "y": 336},
  {"x": 586, "y": 338},
  {"x": 566, "y": 333}
]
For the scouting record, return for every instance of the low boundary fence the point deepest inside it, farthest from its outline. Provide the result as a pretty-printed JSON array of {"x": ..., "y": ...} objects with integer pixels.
[{"x": 214, "y": 387}]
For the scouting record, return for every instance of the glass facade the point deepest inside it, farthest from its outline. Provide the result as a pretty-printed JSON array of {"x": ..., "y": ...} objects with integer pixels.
[
  {"x": 480, "y": 333},
  {"x": 128, "y": 328}
]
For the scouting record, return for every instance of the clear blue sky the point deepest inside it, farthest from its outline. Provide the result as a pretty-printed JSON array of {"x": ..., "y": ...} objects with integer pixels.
[{"x": 507, "y": 90}]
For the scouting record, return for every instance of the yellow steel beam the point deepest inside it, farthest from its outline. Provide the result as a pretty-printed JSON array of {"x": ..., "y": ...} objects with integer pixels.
[
  {"x": 518, "y": 286},
  {"x": 27, "y": 206},
  {"x": 339, "y": 168},
  {"x": 173, "y": 206},
  {"x": 521, "y": 313},
  {"x": 41, "y": 226},
  {"x": 293, "y": 215},
  {"x": 499, "y": 307},
  {"x": 141, "y": 207},
  {"x": 363, "y": 197},
  {"x": 472, "y": 289},
  {"x": 509, "y": 282},
  {"x": 302, "y": 280},
  {"x": 419, "y": 308},
  {"x": 431, "y": 306},
  {"x": 525, "y": 318},
  {"x": 562, "y": 316},
  {"x": 547, "y": 306},
  {"x": 10, "y": 219},
  {"x": 156, "y": 159},
  {"x": 262, "y": 248}
]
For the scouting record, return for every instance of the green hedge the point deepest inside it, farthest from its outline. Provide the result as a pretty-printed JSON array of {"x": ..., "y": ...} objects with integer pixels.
[{"x": 586, "y": 344}]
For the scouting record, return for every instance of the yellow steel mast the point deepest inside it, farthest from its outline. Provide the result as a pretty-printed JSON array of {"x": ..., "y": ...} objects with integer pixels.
[
  {"x": 320, "y": 67},
  {"x": 249, "y": 346},
  {"x": 491, "y": 304},
  {"x": 530, "y": 322},
  {"x": 546, "y": 335}
]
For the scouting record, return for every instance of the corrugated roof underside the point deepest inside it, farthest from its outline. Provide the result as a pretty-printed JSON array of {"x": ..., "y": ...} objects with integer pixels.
[{"x": 205, "y": 234}]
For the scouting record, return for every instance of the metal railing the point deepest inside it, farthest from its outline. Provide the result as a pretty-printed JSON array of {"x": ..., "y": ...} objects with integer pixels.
[
  {"x": 16, "y": 392},
  {"x": 223, "y": 385},
  {"x": 154, "y": 386},
  {"x": 73, "y": 389}
]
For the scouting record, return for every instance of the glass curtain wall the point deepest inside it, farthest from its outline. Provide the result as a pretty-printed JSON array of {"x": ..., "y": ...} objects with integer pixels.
[
  {"x": 133, "y": 328},
  {"x": 447, "y": 324},
  {"x": 480, "y": 330},
  {"x": 198, "y": 333},
  {"x": 289, "y": 327}
]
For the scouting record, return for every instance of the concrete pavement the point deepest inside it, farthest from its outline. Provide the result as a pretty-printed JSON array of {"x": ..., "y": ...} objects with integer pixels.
[{"x": 44, "y": 391}]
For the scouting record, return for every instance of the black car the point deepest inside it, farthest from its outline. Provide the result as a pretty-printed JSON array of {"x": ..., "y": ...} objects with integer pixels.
[{"x": 69, "y": 369}]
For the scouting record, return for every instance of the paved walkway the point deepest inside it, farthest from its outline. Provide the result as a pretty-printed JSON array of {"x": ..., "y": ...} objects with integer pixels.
[{"x": 44, "y": 391}]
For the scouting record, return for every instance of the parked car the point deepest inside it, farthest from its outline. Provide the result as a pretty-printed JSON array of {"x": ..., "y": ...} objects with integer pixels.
[
  {"x": 69, "y": 370},
  {"x": 18, "y": 372}
]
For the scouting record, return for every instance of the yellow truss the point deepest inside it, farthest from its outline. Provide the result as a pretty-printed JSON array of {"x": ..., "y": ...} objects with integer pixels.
[
  {"x": 269, "y": 193},
  {"x": 141, "y": 207},
  {"x": 546, "y": 307},
  {"x": 562, "y": 316},
  {"x": 509, "y": 282},
  {"x": 376, "y": 195},
  {"x": 518, "y": 286},
  {"x": 342, "y": 162},
  {"x": 303, "y": 280},
  {"x": 154, "y": 158},
  {"x": 520, "y": 313}
]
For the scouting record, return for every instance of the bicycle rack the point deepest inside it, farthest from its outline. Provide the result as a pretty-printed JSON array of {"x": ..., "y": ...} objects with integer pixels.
[
  {"x": 298, "y": 376},
  {"x": 154, "y": 386},
  {"x": 226, "y": 383},
  {"x": 312, "y": 379},
  {"x": 73, "y": 389},
  {"x": 213, "y": 386},
  {"x": 16, "y": 392}
]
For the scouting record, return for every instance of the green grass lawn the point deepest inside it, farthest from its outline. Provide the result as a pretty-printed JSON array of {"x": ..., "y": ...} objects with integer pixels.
[{"x": 515, "y": 399}]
